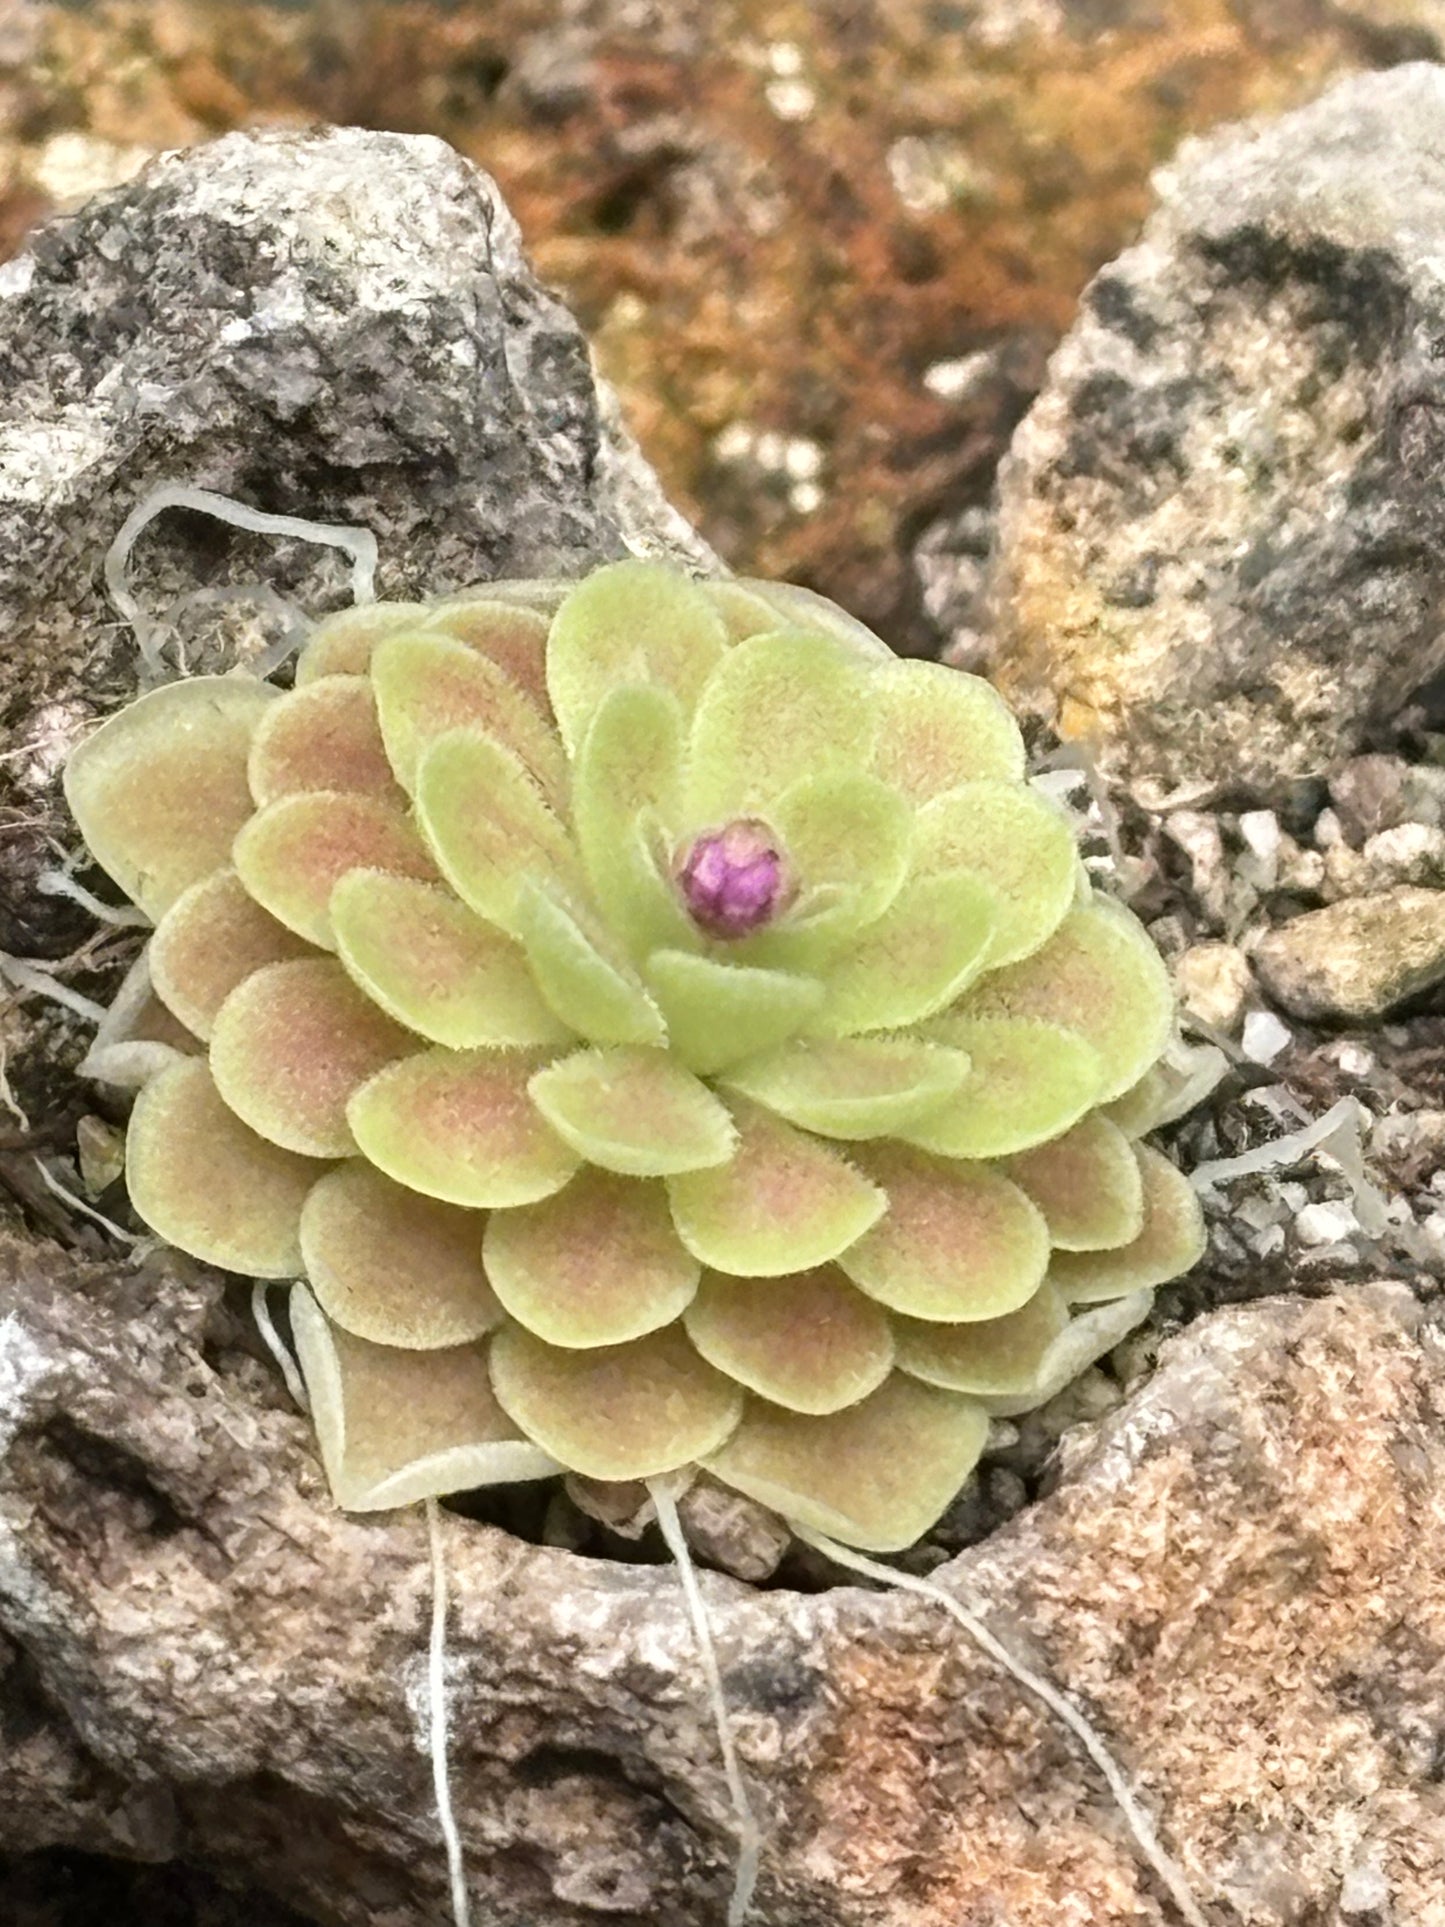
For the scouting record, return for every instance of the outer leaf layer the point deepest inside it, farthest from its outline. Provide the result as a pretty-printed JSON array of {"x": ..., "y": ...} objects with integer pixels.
[
  {"x": 783, "y": 1203},
  {"x": 397, "y": 1426},
  {"x": 597, "y": 1264},
  {"x": 210, "y": 1186},
  {"x": 958, "y": 1242},
  {"x": 619, "y": 1412},
  {"x": 874, "y": 1476},
  {"x": 160, "y": 790}
]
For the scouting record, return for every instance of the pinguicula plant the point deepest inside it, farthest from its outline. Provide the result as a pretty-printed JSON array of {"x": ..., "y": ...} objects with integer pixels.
[{"x": 663, "y": 1030}]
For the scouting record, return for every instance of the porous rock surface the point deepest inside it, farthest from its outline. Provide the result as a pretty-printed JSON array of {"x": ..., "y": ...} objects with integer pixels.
[
  {"x": 1220, "y": 533},
  {"x": 202, "y": 1663},
  {"x": 1356, "y": 958},
  {"x": 339, "y": 326},
  {"x": 1241, "y": 1574}
]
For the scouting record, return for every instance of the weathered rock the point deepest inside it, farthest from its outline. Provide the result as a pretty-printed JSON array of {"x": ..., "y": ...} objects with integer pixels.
[
  {"x": 221, "y": 1668},
  {"x": 1214, "y": 982},
  {"x": 1370, "y": 794},
  {"x": 823, "y": 251},
  {"x": 1405, "y": 853},
  {"x": 1221, "y": 536},
  {"x": 1356, "y": 958},
  {"x": 340, "y": 326}
]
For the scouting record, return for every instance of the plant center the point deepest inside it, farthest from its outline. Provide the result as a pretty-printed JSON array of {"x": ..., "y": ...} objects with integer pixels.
[{"x": 735, "y": 880}]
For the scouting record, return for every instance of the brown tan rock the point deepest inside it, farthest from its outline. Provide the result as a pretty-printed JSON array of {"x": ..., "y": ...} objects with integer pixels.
[
  {"x": 1239, "y": 1575},
  {"x": 1358, "y": 957},
  {"x": 1220, "y": 540}
]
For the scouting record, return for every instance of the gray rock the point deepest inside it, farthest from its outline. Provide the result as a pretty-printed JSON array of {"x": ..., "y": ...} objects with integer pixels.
[
  {"x": 1405, "y": 853},
  {"x": 1370, "y": 794},
  {"x": 340, "y": 326},
  {"x": 1221, "y": 543},
  {"x": 1357, "y": 958}
]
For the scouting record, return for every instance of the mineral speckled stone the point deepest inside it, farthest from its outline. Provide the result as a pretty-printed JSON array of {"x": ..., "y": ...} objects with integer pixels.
[
  {"x": 225, "y": 1669},
  {"x": 338, "y": 325},
  {"x": 1221, "y": 545},
  {"x": 1358, "y": 957}
]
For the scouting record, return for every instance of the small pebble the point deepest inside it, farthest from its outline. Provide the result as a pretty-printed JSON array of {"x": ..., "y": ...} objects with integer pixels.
[
  {"x": 1214, "y": 982},
  {"x": 1329, "y": 1223},
  {"x": 1265, "y": 1036}
]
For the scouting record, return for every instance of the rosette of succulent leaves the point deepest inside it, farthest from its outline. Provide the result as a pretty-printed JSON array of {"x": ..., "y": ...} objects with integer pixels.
[{"x": 663, "y": 1030}]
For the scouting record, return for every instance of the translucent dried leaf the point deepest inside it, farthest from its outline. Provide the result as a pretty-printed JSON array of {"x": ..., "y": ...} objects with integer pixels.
[
  {"x": 634, "y": 1111},
  {"x": 744, "y": 612},
  {"x": 1084, "y": 1339},
  {"x": 930, "y": 944},
  {"x": 597, "y": 1264},
  {"x": 937, "y": 728},
  {"x": 1028, "y": 1082},
  {"x": 1171, "y": 1241},
  {"x": 620, "y": 1411},
  {"x": 208, "y": 1185},
  {"x": 1100, "y": 976},
  {"x": 514, "y": 638},
  {"x": 1140, "y": 1108},
  {"x": 631, "y": 622},
  {"x": 436, "y": 967},
  {"x": 583, "y": 973},
  {"x": 160, "y": 790},
  {"x": 397, "y": 1426},
  {"x": 489, "y": 826},
  {"x": 427, "y": 686},
  {"x": 321, "y": 737},
  {"x": 289, "y": 1047},
  {"x": 718, "y": 1013},
  {"x": 989, "y": 1357},
  {"x": 1087, "y": 1185},
  {"x": 805, "y": 609},
  {"x": 212, "y": 938},
  {"x": 783, "y": 1203},
  {"x": 460, "y": 1126},
  {"x": 293, "y": 853},
  {"x": 341, "y": 644},
  {"x": 1018, "y": 843},
  {"x": 393, "y": 1267},
  {"x": 957, "y": 1242},
  {"x": 626, "y": 786},
  {"x": 776, "y": 709},
  {"x": 138, "y": 1037},
  {"x": 853, "y": 1087},
  {"x": 875, "y": 1476},
  {"x": 809, "y": 1342}
]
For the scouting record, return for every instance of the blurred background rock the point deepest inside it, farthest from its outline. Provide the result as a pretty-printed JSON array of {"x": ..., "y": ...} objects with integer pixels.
[{"x": 822, "y": 247}]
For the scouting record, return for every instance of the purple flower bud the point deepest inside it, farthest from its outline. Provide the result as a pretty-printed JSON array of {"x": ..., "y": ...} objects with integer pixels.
[{"x": 734, "y": 880}]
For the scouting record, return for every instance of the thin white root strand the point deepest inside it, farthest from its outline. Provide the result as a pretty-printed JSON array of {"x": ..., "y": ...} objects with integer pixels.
[
  {"x": 1139, "y": 1823},
  {"x": 53, "y": 1184},
  {"x": 359, "y": 544},
  {"x": 124, "y": 916},
  {"x": 745, "y": 1877},
  {"x": 272, "y": 1340},
  {"x": 437, "y": 1718},
  {"x": 36, "y": 981}
]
